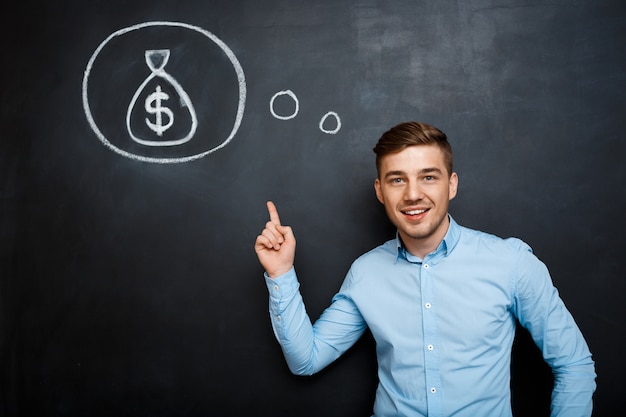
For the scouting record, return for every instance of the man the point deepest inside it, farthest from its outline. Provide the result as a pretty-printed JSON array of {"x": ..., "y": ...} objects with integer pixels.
[{"x": 441, "y": 300}]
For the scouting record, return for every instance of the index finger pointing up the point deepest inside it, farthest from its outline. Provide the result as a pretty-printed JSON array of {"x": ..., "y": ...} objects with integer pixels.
[{"x": 271, "y": 208}]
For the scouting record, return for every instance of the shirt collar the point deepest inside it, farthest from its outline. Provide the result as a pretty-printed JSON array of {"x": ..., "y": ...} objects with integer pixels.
[{"x": 446, "y": 246}]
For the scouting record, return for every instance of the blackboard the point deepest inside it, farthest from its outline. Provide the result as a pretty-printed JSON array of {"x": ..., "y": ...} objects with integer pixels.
[{"x": 129, "y": 285}]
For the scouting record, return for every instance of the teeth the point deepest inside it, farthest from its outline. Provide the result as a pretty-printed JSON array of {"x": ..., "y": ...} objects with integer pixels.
[{"x": 414, "y": 212}]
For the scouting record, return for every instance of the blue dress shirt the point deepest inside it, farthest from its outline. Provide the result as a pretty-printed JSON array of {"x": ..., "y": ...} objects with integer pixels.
[{"x": 444, "y": 326}]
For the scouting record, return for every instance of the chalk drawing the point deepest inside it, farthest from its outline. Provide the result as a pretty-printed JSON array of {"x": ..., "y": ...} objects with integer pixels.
[
  {"x": 153, "y": 103},
  {"x": 156, "y": 72},
  {"x": 297, "y": 108},
  {"x": 285, "y": 93},
  {"x": 337, "y": 119}
]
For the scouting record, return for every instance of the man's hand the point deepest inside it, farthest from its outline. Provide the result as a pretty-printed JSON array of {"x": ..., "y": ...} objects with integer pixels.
[{"x": 276, "y": 245}]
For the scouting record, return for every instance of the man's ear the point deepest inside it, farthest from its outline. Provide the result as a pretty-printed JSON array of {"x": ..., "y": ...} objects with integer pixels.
[
  {"x": 453, "y": 186},
  {"x": 379, "y": 192}
]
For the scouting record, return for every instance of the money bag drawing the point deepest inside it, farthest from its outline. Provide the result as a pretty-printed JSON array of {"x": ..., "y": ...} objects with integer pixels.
[{"x": 154, "y": 117}]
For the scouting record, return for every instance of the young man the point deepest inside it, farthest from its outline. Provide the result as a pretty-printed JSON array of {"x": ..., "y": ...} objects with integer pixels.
[{"x": 441, "y": 300}]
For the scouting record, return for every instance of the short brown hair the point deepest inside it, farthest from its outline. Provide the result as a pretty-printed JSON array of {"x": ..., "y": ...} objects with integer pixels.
[{"x": 408, "y": 134}]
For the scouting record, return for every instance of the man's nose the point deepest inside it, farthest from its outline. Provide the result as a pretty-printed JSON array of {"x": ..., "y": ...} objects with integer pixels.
[{"x": 413, "y": 191}]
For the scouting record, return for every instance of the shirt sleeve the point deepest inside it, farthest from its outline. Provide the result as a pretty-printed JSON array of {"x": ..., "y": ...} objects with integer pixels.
[
  {"x": 539, "y": 309},
  {"x": 307, "y": 347}
]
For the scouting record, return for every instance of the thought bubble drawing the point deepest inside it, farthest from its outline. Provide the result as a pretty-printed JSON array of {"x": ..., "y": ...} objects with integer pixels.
[{"x": 174, "y": 115}]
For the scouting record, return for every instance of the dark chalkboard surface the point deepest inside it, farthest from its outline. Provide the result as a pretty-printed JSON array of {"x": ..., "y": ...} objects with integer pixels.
[{"x": 129, "y": 286}]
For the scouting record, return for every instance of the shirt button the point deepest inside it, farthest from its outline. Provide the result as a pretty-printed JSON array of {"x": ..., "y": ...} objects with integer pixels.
[
  {"x": 426, "y": 266},
  {"x": 430, "y": 347},
  {"x": 433, "y": 390},
  {"x": 427, "y": 305},
  {"x": 279, "y": 318},
  {"x": 275, "y": 287}
]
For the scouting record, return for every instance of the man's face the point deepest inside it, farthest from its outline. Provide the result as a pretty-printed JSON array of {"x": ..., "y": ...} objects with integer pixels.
[{"x": 416, "y": 188}]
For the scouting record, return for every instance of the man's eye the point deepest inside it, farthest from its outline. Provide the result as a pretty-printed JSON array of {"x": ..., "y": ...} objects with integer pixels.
[
  {"x": 396, "y": 180},
  {"x": 430, "y": 178}
]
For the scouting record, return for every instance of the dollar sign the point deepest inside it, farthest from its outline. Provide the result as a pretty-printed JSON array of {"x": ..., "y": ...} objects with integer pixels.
[{"x": 153, "y": 106}]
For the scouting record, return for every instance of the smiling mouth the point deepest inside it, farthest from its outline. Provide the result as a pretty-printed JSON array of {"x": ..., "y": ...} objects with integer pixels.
[{"x": 414, "y": 212}]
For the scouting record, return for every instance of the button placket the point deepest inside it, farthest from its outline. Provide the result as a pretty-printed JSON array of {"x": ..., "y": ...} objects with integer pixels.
[{"x": 431, "y": 335}]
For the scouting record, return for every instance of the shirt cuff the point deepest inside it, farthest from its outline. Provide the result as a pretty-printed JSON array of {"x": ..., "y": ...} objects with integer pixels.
[{"x": 283, "y": 285}]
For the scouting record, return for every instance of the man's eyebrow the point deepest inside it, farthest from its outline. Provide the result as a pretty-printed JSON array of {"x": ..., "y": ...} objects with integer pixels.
[
  {"x": 394, "y": 174},
  {"x": 431, "y": 170}
]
